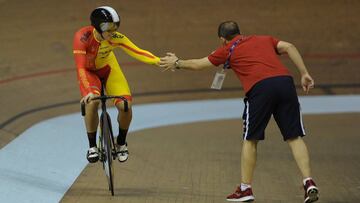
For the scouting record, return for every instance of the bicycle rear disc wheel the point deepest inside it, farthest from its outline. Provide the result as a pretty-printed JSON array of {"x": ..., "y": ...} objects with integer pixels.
[{"x": 107, "y": 144}]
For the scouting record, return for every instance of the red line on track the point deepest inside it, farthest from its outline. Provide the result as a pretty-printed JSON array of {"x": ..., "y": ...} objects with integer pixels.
[
  {"x": 53, "y": 72},
  {"x": 332, "y": 56},
  {"x": 34, "y": 75}
]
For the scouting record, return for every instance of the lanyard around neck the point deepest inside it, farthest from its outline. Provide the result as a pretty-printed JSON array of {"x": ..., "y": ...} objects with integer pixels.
[{"x": 227, "y": 62}]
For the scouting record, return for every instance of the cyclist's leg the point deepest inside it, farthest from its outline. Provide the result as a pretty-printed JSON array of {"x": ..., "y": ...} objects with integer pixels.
[
  {"x": 90, "y": 79},
  {"x": 91, "y": 116},
  {"x": 116, "y": 84},
  {"x": 124, "y": 118}
]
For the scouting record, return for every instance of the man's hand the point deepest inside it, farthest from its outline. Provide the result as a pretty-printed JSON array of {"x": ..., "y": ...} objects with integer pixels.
[
  {"x": 87, "y": 99},
  {"x": 307, "y": 82},
  {"x": 168, "y": 62}
]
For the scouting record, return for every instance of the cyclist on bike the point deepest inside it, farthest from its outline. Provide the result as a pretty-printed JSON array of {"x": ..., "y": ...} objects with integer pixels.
[{"x": 95, "y": 61}]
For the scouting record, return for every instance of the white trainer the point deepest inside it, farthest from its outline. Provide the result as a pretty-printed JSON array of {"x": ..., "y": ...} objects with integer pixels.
[
  {"x": 123, "y": 153},
  {"x": 92, "y": 155}
]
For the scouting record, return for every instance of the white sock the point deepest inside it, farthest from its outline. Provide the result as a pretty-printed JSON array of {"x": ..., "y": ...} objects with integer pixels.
[
  {"x": 306, "y": 179},
  {"x": 244, "y": 186}
]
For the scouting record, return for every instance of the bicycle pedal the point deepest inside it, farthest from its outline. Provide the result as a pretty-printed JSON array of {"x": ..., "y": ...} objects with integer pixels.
[
  {"x": 101, "y": 158},
  {"x": 114, "y": 154}
]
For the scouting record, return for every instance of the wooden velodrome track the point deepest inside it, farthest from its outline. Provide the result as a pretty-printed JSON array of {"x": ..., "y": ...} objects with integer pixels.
[{"x": 195, "y": 162}]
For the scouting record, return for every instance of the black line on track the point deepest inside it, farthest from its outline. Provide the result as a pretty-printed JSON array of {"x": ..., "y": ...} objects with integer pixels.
[{"x": 327, "y": 88}]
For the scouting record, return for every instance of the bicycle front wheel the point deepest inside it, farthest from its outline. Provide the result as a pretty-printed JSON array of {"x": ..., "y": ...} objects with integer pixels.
[{"x": 108, "y": 146}]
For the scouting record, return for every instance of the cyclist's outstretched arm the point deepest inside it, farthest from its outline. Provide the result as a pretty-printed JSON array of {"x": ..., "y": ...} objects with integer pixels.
[{"x": 130, "y": 48}]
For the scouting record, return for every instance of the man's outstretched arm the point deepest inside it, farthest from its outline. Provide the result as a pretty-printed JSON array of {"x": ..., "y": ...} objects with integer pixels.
[{"x": 171, "y": 62}]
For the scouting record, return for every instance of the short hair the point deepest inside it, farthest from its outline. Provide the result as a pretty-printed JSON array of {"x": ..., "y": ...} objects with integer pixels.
[{"x": 228, "y": 30}]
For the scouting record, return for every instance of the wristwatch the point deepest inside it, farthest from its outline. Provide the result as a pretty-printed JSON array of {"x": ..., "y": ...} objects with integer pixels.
[{"x": 177, "y": 64}]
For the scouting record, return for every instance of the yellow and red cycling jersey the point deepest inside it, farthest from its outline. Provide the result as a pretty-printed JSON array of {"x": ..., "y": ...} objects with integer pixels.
[{"x": 95, "y": 60}]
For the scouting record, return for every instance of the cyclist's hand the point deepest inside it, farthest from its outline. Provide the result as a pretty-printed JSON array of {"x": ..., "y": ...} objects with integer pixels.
[
  {"x": 87, "y": 99},
  {"x": 168, "y": 62}
]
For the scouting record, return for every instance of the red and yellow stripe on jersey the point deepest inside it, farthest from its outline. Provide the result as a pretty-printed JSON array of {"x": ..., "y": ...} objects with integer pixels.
[{"x": 95, "y": 60}]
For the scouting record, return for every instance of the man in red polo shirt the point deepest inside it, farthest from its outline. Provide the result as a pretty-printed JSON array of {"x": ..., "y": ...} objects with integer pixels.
[{"x": 269, "y": 90}]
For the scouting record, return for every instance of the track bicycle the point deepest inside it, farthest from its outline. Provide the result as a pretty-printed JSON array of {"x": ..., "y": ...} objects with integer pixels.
[{"x": 106, "y": 144}]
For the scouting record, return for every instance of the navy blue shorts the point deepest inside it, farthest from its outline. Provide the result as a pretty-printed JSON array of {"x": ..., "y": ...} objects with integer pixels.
[{"x": 272, "y": 96}]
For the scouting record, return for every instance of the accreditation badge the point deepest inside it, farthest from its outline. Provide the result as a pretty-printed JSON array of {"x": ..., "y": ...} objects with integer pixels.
[{"x": 218, "y": 79}]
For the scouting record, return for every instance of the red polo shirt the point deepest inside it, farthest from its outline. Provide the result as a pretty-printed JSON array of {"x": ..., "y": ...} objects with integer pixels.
[{"x": 253, "y": 59}]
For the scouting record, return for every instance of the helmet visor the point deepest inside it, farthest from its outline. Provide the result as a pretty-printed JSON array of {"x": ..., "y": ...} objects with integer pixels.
[{"x": 108, "y": 26}]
